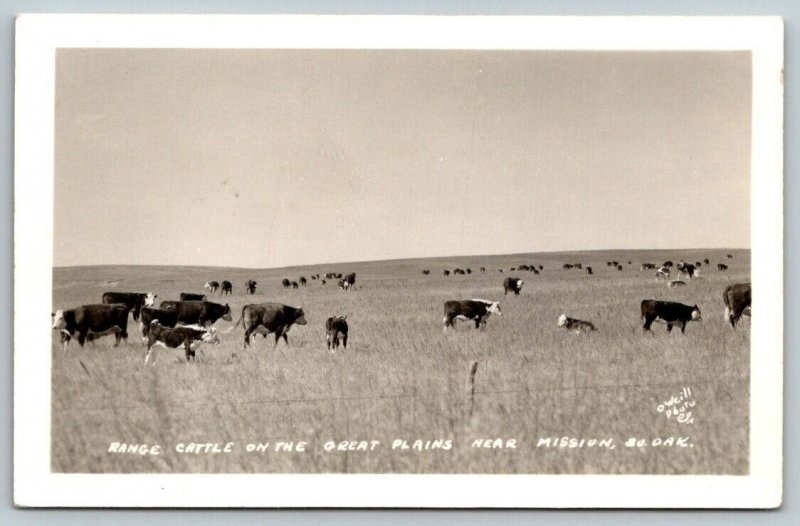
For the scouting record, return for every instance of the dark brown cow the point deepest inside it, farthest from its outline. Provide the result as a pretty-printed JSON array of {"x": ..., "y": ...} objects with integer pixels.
[{"x": 268, "y": 318}]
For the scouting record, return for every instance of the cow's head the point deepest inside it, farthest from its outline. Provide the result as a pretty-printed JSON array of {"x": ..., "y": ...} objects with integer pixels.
[
  {"x": 494, "y": 308},
  {"x": 227, "y": 316},
  {"x": 211, "y": 336},
  {"x": 150, "y": 299},
  {"x": 696, "y": 313},
  {"x": 300, "y": 316},
  {"x": 562, "y": 320},
  {"x": 519, "y": 283},
  {"x": 58, "y": 320}
]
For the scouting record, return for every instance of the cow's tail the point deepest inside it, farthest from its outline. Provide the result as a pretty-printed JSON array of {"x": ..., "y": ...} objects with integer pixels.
[{"x": 240, "y": 320}]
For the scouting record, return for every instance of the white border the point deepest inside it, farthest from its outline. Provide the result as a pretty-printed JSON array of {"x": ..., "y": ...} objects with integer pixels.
[{"x": 38, "y": 36}]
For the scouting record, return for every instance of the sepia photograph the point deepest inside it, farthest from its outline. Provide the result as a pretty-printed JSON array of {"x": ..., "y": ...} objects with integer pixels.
[{"x": 320, "y": 246}]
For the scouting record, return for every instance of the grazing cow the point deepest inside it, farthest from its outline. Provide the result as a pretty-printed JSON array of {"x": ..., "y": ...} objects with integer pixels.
[
  {"x": 250, "y": 286},
  {"x": 133, "y": 300},
  {"x": 676, "y": 283},
  {"x": 721, "y": 266},
  {"x": 267, "y": 318},
  {"x": 351, "y": 280},
  {"x": 729, "y": 256},
  {"x": 500, "y": 270},
  {"x": 572, "y": 324},
  {"x": 615, "y": 263},
  {"x": 535, "y": 271},
  {"x": 578, "y": 266},
  {"x": 303, "y": 281},
  {"x": 476, "y": 309},
  {"x": 698, "y": 264},
  {"x": 667, "y": 264},
  {"x": 619, "y": 267},
  {"x": 91, "y": 322},
  {"x": 446, "y": 272},
  {"x": 191, "y": 338},
  {"x": 589, "y": 270},
  {"x": 662, "y": 272},
  {"x": 458, "y": 271},
  {"x": 523, "y": 267},
  {"x": 227, "y": 287},
  {"x": 426, "y": 272},
  {"x": 541, "y": 267},
  {"x": 566, "y": 266},
  {"x": 334, "y": 327},
  {"x": 211, "y": 286},
  {"x": 295, "y": 285},
  {"x": 203, "y": 313},
  {"x": 649, "y": 266},
  {"x": 469, "y": 271},
  {"x": 323, "y": 281},
  {"x": 707, "y": 261},
  {"x": 483, "y": 269},
  {"x": 191, "y": 296},
  {"x": 668, "y": 312},
  {"x": 512, "y": 284},
  {"x": 737, "y": 300},
  {"x": 688, "y": 269},
  {"x": 608, "y": 264},
  {"x": 165, "y": 318},
  {"x": 286, "y": 283}
]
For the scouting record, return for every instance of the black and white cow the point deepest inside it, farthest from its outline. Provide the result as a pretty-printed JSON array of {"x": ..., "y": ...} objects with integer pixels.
[
  {"x": 295, "y": 285},
  {"x": 347, "y": 282},
  {"x": 165, "y": 318},
  {"x": 191, "y": 338},
  {"x": 211, "y": 286},
  {"x": 192, "y": 296},
  {"x": 250, "y": 286},
  {"x": 737, "y": 300},
  {"x": 91, "y": 322},
  {"x": 721, "y": 266},
  {"x": 688, "y": 269},
  {"x": 573, "y": 324},
  {"x": 268, "y": 318},
  {"x": 668, "y": 312},
  {"x": 589, "y": 270},
  {"x": 483, "y": 269},
  {"x": 648, "y": 266},
  {"x": 133, "y": 300},
  {"x": 662, "y": 272},
  {"x": 303, "y": 281},
  {"x": 336, "y": 326},
  {"x": 512, "y": 284},
  {"x": 203, "y": 313},
  {"x": 227, "y": 287},
  {"x": 477, "y": 310}
]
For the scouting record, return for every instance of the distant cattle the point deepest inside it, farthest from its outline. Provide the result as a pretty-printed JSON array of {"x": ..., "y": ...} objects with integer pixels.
[
  {"x": 688, "y": 269},
  {"x": 211, "y": 286},
  {"x": 575, "y": 325},
  {"x": 203, "y": 313},
  {"x": 286, "y": 283},
  {"x": 608, "y": 263},
  {"x": 227, "y": 287},
  {"x": 541, "y": 267},
  {"x": 426, "y": 272},
  {"x": 668, "y": 312},
  {"x": 349, "y": 280},
  {"x": 323, "y": 281},
  {"x": 619, "y": 267},
  {"x": 459, "y": 271},
  {"x": 189, "y": 337},
  {"x": 566, "y": 266},
  {"x": 707, "y": 261},
  {"x": 295, "y": 285},
  {"x": 589, "y": 270},
  {"x": 523, "y": 267},
  {"x": 729, "y": 256},
  {"x": 737, "y": 300},
  {"x": 500, "y": 270},
  {"x": 192, "y": 296},
  {"x": 269, "y": 318},
  {"x": 512, "y": 269},
  {"x": 535, "y": 271},
  {"x": 615, "y": 263},
  {"x": 676, "y": 283},
  {"x": 512, "y": 284},
  {"x": 446, "y": 272},
  {"x": 166, "y": 318},
  {"x": 483, "y": 269},
  {"x": 578, "y": 266},
  {"x": 649, "y": 266},
  {"x": 469, "y": 271},
  {"x": 92, "y": 322},
  {"x": 667, "y": 264},
  {"x": 250, "y": 286},
  {"x": 133, "y": 300},
  {"x": 662, "y": 272},
  {"x": 721, "y": 266},
  {"x": 335, "y": 327},
  {"x": 698, "y": 264},
  {"x": 477, "y": 310},
  {"x": 303, "y": 281}
]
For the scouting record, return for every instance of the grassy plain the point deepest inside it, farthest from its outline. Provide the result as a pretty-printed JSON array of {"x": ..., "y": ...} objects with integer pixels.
[{"x": 401, "y": 378}]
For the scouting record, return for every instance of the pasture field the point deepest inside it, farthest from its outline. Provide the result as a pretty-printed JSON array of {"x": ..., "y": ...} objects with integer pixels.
[{"x": 402, "y": 378}]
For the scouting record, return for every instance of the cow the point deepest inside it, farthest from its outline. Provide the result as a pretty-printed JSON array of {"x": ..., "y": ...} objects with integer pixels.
[
  {"x": 477, "y": 310},
  {"x": 572, "y": 324},
  {"x": 676, "y": 283},
  {"x": 211, "y": 286},
  {"x": 668, "y": 312},
  {"x": 192, "y": 296},
  {"x": 469, "y": 271},
  {"x": 347, "y": 282},
  {"x": 512, "y": 284},
  {"x": 649, "y": 266},
  {"x": 662, "y": 272},
  {"x": 336, "y": 326},
  {"x": 535, "y": 271},
  {"x": 707, "y": 261},
  {"x": 483, "y": 269},
  {"x": 500, "y": 270},
  {"x": 698, "y": 264},
  {"x": 578, "y": 266},
  {"x": 267, "y": 318},
  {"x": 227, "y": 287},
  {"x": 303, "y": 281},
  {"x": 446, "y": 272},
  {"x": 541, "y": 267},
  {"x": 721, "y": 266},
  {"x": 459, "y": 271},
  {"x": 688, "y": 269},
  {"x": 566, "y": 266},
  {"x": 426, "y": 272},
  {"x": 91, "y": 322},
  {"x": 191, "y": 338},
  {"x": 250, "y": 286},
  {"x": 165, "y": 318},
  {"x": 729, "y": 256},
  {"x": 295, "y": 285},
  {"x": 203, "y": 313},
  {"x": 133, "y": 300},
  {"x": 615, "y": 263},
  {"x": 619, "y": 267},
  {"x": 286, "y": 283},
  {"x": 668, "y": 264},
  {"x": 322, "y": 281},
  {"x": 737, "y": 300},
  {"x": 589, "y": 270}
]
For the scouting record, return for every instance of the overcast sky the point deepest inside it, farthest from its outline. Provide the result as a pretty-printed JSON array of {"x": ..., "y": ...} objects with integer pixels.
[{"x": 264, "y": 158}]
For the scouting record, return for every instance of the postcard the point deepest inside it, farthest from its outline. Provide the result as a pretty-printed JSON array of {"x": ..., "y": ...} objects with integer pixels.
[{"x": 398, "y": 261}]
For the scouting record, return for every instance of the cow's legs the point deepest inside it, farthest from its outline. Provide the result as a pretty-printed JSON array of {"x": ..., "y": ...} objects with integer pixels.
[
  {"x": 683, "y": 327},
  {"x": 669, "y": 327},
  {"x": 647, "y": 323},
  {"x": 344, "y": 341},
  {"x": 150, "y": 351},
  {"x": 247, "y": 334},
  {"x": 187, "y": 346}
]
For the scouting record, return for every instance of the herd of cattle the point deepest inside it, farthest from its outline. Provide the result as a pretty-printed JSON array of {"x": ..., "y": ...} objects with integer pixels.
[{"x": 188, "y": 322}]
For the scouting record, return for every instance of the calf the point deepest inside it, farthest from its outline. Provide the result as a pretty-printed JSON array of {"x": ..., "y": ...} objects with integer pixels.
[
  {"x": 250, "y": 286},
  {"x": 477, "y": 310},
  {"x": 334, "y": 327},
  {"x": 227, "y": 287},
  {"x": 165, "y": 318},
  {"x": 668, "y": 312},
  {"x": 737, "y": 300},
  {"x": 575, "y": 325},
  {"x": 191, "y": 338},
  {"x": 91, "y": 322},
  {"x": 512, "y": 284},
  {"x": 211, "y": 286}
]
